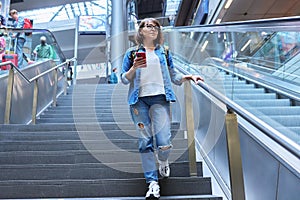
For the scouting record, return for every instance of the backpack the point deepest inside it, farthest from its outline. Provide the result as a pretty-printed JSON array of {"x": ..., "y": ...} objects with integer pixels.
[
  {"x": 132, "y": 54},
  {"x": 27, "y": 25}
]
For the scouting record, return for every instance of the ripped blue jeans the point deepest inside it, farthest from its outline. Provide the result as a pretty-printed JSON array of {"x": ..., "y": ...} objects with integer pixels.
[{"x": 151, "y": 116}]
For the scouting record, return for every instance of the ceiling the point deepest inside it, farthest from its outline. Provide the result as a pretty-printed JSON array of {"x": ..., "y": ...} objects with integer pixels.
[
  {"x": 240, "y": 10},
  {"x": 150, "y": 8}
]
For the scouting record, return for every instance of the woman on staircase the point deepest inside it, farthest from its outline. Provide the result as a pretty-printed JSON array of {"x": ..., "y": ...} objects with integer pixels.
[{"x": 149, "y": 96}]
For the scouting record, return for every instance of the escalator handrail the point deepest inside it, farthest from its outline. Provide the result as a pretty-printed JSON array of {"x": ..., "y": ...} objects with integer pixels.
[
  {"x": 266, "y": 68},
  {"x": 20, "y": 30},
  {"x": 268, "y": 86},
  {"x": 287, "y": 143},
  {"x": 260, "y": 60}
]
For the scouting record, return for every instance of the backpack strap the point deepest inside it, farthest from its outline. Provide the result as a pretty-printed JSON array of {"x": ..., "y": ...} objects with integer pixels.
[
  {"x": 166, "y": 49},
  {"x": 132, "y": 53}
]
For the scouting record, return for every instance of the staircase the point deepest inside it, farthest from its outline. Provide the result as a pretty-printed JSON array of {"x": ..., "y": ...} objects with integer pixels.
[{"x": 87, "y": 147}]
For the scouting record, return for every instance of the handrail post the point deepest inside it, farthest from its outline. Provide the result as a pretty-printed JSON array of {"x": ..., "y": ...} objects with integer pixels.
[
  {"x": 35, "y": 101},
  {"x": 9, "y": 91},
  {"x": 234, "y": 156},
  {"x": 66, "y": 67},
  {"x": 190, "y": 128},
  {"x": 55, "y": 87}
]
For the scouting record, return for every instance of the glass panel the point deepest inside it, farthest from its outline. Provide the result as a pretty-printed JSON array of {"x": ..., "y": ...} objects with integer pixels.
[{"x": 241, "y": 63}]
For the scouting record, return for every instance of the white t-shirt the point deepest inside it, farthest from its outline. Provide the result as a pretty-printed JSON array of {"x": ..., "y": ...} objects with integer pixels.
[{"x": 151, "y": 77}]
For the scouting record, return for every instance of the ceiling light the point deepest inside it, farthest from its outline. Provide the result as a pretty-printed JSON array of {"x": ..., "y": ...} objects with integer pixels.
[
  {"x": 204, "y": 46},
  {"x": 228, "y": 4},
  {"x": 245, "y": 46},
  {"x": 218, "y": 21}
]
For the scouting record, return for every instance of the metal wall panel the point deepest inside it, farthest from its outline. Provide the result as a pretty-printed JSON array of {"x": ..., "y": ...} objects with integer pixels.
[
  {"x": 289, "y": 184},
  {"x": 260, "y": 169}
]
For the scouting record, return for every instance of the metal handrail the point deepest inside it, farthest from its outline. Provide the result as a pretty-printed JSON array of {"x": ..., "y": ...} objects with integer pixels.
[
  {"x": 17, "y": 69},
  {"x": 287, "y": 143},
  {"x": 35, "y": 92},
  {"x": 240, "y": 59},
  {"x": 41, "y": 74},
  {"x": 51, "y": 69}
]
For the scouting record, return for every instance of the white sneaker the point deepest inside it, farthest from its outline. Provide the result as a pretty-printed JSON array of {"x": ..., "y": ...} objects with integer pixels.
[
  {"x": 164, "y": 168},
  {"x": 153, "y": 192}
]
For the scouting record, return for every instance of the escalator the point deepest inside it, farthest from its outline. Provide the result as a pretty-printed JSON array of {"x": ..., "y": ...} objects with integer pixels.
[
  {"x": 22, "y": 95},
  {"x": 266, "y": 99},
  {"x": 277, "y": 107}
]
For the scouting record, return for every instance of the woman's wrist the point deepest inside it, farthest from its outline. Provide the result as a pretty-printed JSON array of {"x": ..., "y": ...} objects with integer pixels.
[{"x": 133, "y": 68}]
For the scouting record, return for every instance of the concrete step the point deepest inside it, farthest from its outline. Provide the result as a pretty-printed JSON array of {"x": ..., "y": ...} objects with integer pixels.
[
  {"x": 47, "y": 115},
  {"x": 80, "y": 156},
  {"x": 72, "y": 127},
  {"x": 179, "y": 197},
  {"x": 79, "y": 135},
  {"x": 133, "y": 187},
  {"x": 76, "y": 119},
  {"x": 86, "y": 171},
  {"x": 64, "y": 145},
  {"x": 74, "y": 109}
]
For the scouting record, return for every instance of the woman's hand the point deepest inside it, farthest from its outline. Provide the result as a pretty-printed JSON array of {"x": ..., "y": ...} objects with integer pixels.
[
  {"x": 195, "y": 78},
  {"x": 139, "y": 62}
]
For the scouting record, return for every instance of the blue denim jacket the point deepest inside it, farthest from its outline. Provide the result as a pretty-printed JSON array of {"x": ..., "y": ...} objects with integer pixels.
[
  {"x": 19, "y": 24},
  {"x": 169, "y": 74}
]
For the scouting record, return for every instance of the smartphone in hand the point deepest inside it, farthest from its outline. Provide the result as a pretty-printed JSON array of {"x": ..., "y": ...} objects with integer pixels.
[{"x": 141, "y": 54}]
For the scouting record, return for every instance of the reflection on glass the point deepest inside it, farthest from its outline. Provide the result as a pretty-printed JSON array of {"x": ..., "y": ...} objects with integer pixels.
[{"x": 254, "y": 69}]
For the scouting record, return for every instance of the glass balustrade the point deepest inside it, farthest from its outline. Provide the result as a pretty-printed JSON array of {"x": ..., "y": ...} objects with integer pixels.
[{"x": 254, "y": 64}]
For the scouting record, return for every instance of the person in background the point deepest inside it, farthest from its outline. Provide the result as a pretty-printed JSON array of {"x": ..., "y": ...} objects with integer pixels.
[
  {"x": 2, "y": 18},
  {"x": 20, "y": 38},
  {"x": 149, "y": 97},
  {"x": 2, "y": 44},
  {"x": 113, "y": 79},
  {"x": 43, "y": 50}
]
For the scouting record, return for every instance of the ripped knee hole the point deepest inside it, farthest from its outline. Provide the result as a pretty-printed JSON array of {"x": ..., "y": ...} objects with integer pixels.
[
  {"x": 141, "y": 125},
  {"x": 165, "y": 147}
]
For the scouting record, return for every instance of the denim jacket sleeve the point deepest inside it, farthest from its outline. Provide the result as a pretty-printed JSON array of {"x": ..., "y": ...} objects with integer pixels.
[
  {"x": 126, "y": 65},
  {"x": 20, "y": 23},
  {"x": 176, "y": 77}
]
